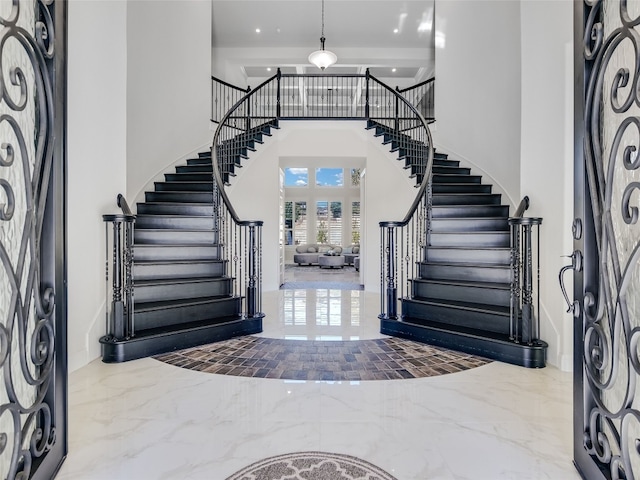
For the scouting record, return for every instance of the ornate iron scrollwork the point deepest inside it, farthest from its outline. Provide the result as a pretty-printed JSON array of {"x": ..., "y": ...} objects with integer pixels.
[
  {"x": 27, "y": 333},
  {"x": 611, "y": 311}
]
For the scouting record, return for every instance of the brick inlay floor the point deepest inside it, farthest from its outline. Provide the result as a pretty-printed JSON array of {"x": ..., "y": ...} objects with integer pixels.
[{"x": 380, "y": 359}]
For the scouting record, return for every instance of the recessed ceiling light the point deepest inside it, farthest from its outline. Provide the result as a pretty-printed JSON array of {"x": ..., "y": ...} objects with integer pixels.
[
  {"x": 257, "y": 30},
  {"x": 395, "y": 30},
  {"x": 393, "y": 70}
]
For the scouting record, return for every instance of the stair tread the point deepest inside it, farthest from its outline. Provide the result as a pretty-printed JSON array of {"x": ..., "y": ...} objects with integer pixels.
[
  {"x": 471, "y": 232},
  {"x": 475, "y": 307},
  {"x": 183, "y": 230},
  {"x": 151, "y": 306},
  {"x": 170, "y": 215},
  {"x": 457, "y": 247},
  {"x": 207, "y": 204},
  {"x": 175, "y": 245},
  {"x": 178, "y": 281},
  {"x": 479, "y": 265},
  {"x": 461, "y": 283},
  {"x": 177, "y": 262}
]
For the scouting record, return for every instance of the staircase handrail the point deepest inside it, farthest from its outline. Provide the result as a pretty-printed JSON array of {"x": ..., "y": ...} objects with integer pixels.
[
  {"x": 524, "y": 205},
  {"x": 428, "y": 167},
  {"x": 124, "y": 206},
  {"x": 223, "y": 95},
  {"x": 417, "y": 85},
  {"x": 214, "y": 156},
  {"x": 230, "y": 85},
  {"x": 402, "y": 242}
]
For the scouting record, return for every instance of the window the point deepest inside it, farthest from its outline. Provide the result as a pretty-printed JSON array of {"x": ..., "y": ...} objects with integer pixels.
[
  {"x": 329, "y": 177},
  {"x": 322, "y": 222},
  {"x": 355, "y": 222},
  {"x": 355, "y": 177},
  {"x": 335, "y": 223},
  {"x": 295, "y": 223},
  {"x": 296, "y": 177},
  {"x": 329, "y": 222}
]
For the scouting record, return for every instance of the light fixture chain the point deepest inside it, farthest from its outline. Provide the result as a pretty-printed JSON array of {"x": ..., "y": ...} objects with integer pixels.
[{"x": 323, "y": 18}]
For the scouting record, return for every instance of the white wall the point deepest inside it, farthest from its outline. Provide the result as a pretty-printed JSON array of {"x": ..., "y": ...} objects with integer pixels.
[
  {"x": 547, "y": 155},
  {"x": 477, "y": 96},
  {"x": 96, "y": 160},
  {"x": 324, "y": 140},
  {"x": 168, "y": 85}
]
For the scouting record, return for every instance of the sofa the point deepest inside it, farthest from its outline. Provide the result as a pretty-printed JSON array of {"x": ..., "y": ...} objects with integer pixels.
[
  {"x": 308, "y": 253},
  {"x": 350, "y": 254}
]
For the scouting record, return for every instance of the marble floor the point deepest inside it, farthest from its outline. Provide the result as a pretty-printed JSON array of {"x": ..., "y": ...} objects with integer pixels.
[{"x": 146, "y": 419}]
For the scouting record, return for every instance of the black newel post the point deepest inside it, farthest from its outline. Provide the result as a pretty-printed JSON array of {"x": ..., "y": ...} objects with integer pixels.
[
  {"x": 252, "y": 296},
  {"x": 279, "y": 76},
  {"x": 527, "y": 287},
  {"x": 391, "y": 273},
  {"x": 515, "y": 281},
  {"x": 117, "y": 306},
  {"x": 366, "y": 95}
]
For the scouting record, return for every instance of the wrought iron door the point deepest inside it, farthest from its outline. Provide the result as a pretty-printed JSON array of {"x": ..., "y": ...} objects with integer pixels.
[
  {"x": 606, "y": 259},
  {"x": 33, "y": 439}
]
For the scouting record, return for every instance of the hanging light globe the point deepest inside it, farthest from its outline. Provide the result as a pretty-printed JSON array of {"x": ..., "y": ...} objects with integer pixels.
[{"x": 323, "y": 58}]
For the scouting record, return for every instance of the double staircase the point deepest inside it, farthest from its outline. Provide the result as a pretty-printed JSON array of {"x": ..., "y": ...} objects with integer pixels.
[{"x": 186, "y": 269}]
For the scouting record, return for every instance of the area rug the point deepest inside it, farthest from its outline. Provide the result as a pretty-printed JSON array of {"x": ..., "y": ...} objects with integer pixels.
[
  {"x": 312, "y": 466},
  {"x": 317, "y": 360},
  {"x": 312, "y": 276}
]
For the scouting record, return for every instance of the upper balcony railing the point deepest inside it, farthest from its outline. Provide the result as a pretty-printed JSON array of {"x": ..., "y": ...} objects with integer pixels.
[{"x": 319, "y": 96}]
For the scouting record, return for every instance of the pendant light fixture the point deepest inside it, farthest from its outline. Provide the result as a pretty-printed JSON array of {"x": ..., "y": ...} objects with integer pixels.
[{"x": 323, "y": 58}]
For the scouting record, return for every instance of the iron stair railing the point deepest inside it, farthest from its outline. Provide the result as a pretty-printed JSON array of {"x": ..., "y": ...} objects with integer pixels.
[
  {"x": 524, "y": 316},
  {"x": 119, "y": 318},
  {"x": 422, "y": 96},
  {"x": 337, "y": 97}
]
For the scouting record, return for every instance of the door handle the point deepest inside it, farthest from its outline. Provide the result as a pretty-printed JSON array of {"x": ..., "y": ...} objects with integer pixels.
[{"x": 576, "y": 265}]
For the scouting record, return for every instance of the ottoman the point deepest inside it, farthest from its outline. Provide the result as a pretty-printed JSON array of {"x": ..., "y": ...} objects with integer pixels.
[{"x": 331, "y": 261}]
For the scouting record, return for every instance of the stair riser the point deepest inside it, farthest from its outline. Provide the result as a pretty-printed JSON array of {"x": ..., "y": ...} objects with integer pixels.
[
  {"x": 204, "y": 160},
  {"x": 161, "y": 253},
  {"x": 186, "y": 314},
  {"x": 466, "y": 273},
  {"x": 456, "y": 179},
  {"x": 451, "y": 170},
  {"x": 462, "y": 199},
  {"x": 461, "y": 318},
  {"x": 143, "y": 271},
  {"x": 461, "y": 293},
  {"x": 194, "y": 168},
  {"x": 177, "y": 291},
  {"x": 184, "y": 186},
  {"x": 470, "y": 211},
  {"x": 179, "y": 197},
  {"x": 174, "y": 222},
  {"x": 189, "y": 177},
  {"x": 469, "y": 225},
  {"x": 461, "y": 188},
  {"x": 444, "y": 162},
  {"x": 175, "y": 209},
  {"x": 450, "y": 255},
  {"x": 475, "y": 239},
  {"x": 175, "y": 237}
]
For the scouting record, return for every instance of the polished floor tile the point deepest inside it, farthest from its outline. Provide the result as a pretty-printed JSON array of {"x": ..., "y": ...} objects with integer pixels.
[{"x": 146, "y": 419}]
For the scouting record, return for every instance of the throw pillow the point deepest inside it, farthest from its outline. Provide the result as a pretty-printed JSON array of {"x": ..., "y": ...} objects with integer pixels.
[
  {"x": 301, "y": 249},
  {"x": 356, "y": 249},
  {"x": 347, "y": 250},
  {"x": 311, "y": 250}
]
